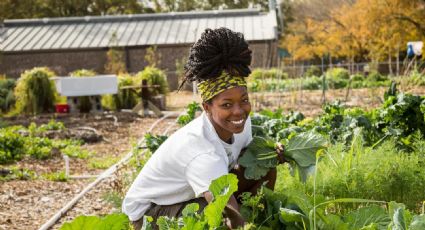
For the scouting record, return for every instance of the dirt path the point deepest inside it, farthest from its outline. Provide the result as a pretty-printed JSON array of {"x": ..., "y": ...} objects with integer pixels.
[{"x": 28, "y": 204}]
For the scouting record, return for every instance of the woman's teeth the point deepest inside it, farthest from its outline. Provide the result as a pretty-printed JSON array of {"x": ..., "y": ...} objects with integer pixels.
[{"x": 237, "y": 122}]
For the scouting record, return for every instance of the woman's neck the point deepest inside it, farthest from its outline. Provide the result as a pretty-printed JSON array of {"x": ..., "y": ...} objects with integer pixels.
[{"x": 224, "y": 135}]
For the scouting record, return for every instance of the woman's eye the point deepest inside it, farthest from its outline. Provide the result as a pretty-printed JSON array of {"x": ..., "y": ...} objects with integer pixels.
[
  {"x": 227, "y": 105},
  {"x": 246, "y": 100}
]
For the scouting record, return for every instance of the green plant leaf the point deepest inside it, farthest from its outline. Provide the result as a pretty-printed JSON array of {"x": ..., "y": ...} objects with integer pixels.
[
  {"x": 367, "y": 216},
  {"x": 418, "y": 223},
  {"x": 109, "y": 222},
  {"x": 303, "y": 147},
  {"x": 289, "y": 215},
  {"x": 114, "y": 222},
  {"x": 221, "y": 188},
  {"x": 82, "y": 223}
]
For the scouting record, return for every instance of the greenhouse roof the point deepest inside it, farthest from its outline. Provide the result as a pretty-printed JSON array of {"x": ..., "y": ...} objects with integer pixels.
[{"x": 93, "y": 32}]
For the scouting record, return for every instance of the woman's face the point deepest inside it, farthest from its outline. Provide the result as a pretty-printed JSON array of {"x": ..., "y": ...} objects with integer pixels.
[{"x": 228, "y": 111}]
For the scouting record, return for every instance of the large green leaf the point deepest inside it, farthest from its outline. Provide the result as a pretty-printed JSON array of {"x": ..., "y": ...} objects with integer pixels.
[
  {"x": 418, "y": 223},
  {"x": 399, "y": 215},
  {"x": 109, "y": 222},
  {"x": 366, "y": 216},
  {"x": 221, "y": 188},
  {"x": 82, "y": 223},
  {"x": 289, "y": 215},
  {"x": 114, "y": 222},
  {"x": 300, "y": 150},
  {"x": 303, "y": 147}
]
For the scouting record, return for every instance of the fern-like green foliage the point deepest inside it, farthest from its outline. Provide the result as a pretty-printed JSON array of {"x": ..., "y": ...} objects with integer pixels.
[
  {"x": 84, "y": 104},
  {"x": 35, "y": 92}
]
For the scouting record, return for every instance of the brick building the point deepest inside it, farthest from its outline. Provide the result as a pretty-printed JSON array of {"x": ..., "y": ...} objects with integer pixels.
[{"x": 67, "y": 44}]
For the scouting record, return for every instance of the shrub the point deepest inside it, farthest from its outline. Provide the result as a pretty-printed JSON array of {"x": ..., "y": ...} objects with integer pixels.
[
  {"x": 35, "y": 92},
  {"x": 338, "y": 73},
  {"x": 84, "y": 104},
  {"x": 261, "y": 74},
  {"x": 7, "y": 98},
  {"x": 11, "y": 145},
  {"x": 154, "y": 76},
  {"x": 313, "y": 71},
  {"x": 125, "y": 98}
]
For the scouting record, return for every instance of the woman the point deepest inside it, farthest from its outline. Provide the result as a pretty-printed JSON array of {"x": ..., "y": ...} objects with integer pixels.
[{"x": 182, "y": 168}]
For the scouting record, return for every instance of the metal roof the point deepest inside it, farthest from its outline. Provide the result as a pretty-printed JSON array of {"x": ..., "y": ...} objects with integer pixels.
[{"x": 131, "y": 30}]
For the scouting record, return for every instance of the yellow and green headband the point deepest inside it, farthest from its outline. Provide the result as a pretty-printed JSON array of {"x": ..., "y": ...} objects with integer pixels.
[{"x": 212, "y": 87}]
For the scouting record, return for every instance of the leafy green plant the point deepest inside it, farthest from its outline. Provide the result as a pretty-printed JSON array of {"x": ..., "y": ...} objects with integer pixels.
[
  {"x": 300, "y": 151},
  {"x": 102, "y": 163},
  {"x": 191, "y": 109},
  {"x": 12, "y": 145},
  {"x": 221, "y": 188},
  {"x": 108, "y": 222},
  {"x": 35, "y": 92},
  {"x": 154, "y": 76},
  {"x": 56, "y": 176},
  {"x": 76, "y": 152},
  {"x": 154, "y": 141},
  {"x": 16, "y": 173},
  {"x": 7, "y": 98}
]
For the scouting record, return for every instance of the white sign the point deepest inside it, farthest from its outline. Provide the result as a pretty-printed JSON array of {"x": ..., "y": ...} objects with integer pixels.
[{"x": 87, "y": 86}]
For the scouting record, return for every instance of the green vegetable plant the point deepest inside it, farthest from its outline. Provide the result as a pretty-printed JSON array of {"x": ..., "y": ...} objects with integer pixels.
[
  {"x": 154, "y": 141},
  {"x": 108, "y": 222},
  {"x": 191, "y": 109},
  {"x": 300, "y": 151}
]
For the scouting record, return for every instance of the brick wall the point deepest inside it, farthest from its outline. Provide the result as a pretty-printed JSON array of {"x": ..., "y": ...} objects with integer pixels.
[{"x": 64, "y": 62}]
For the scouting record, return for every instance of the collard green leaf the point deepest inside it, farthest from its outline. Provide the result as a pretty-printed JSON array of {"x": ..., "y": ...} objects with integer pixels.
[
  {"x": 114, "y": 222},
  {"x": 289, "y": 215},
  {"x": 82, "y": 223},
  {"x": 367, "y": 216},
  {"x": 109, "y": 222},
  {"x": 418, "y": 223},
  {"x": 300, "y": 150},
  {"x": 221, "y": 188},
  {"x": 303, "y": 147}
]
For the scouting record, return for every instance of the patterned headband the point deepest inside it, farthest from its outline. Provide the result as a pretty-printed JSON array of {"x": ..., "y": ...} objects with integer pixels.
[{"x": 212, "y": 87}]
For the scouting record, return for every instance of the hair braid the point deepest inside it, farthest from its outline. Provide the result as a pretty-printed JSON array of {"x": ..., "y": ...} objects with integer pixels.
[{"x": 217, "y": 51}]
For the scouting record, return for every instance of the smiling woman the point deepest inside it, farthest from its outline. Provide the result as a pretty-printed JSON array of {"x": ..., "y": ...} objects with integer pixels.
[{"x": 182, "y": 168}]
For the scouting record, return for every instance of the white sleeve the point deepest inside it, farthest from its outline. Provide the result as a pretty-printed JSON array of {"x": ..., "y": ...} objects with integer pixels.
[{"x": 202, "y": 170}]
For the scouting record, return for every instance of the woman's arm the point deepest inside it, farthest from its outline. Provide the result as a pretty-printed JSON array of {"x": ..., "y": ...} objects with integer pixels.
[{"x": 231, "y": 211}]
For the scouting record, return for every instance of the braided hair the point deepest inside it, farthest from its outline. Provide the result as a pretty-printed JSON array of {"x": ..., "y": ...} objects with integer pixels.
[{"x": 216, "y": 51}]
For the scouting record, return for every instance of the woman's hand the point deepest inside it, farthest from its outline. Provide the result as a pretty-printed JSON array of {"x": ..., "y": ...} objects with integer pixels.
[{"x": 280, "y": 149}]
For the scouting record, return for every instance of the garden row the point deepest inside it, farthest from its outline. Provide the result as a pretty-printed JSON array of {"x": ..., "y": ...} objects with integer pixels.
[
  {"x": 336, "y": 78},
  {"x": 37, "y": 142},
  {"x": 353, "y": 169}
]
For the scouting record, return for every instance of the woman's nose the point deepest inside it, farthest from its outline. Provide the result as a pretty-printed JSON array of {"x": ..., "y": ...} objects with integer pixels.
[{"x": 238, "y": 110}]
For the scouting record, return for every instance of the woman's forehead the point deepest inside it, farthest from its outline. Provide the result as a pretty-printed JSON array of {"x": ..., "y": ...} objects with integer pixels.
[{"x": 232, "y": 93}]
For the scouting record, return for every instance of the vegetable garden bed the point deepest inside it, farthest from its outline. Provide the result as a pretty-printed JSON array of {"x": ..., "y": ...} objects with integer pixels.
[{"x": 37, "y": 189}]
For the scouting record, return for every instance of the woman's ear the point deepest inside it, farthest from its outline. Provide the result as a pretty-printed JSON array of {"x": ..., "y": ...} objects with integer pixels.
[{"x": 206, "y": 107}]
